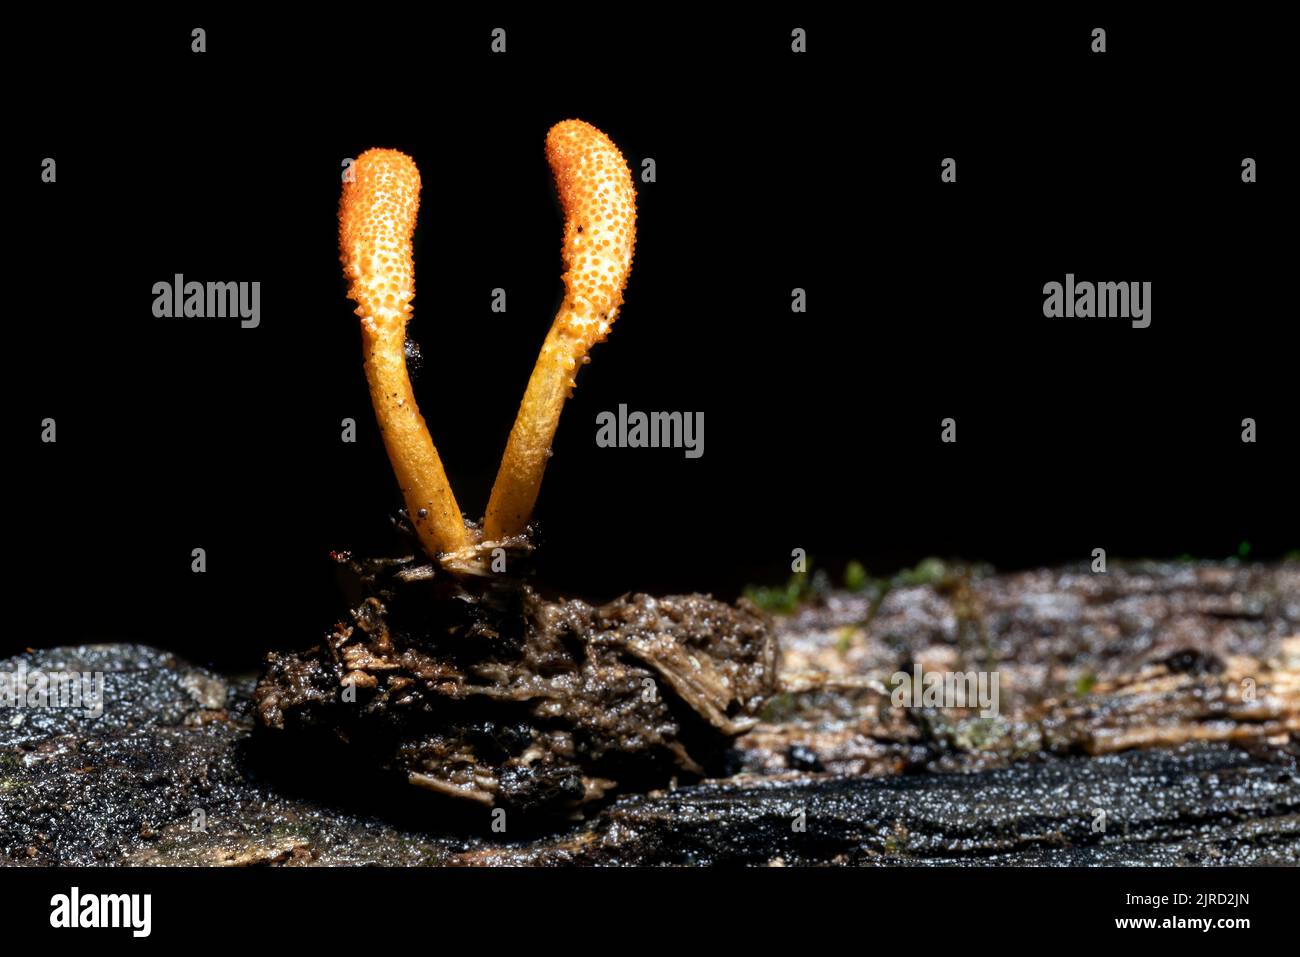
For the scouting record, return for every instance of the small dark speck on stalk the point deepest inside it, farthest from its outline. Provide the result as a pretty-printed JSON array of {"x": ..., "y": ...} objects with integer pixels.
[{"x": 414, "y": 358}]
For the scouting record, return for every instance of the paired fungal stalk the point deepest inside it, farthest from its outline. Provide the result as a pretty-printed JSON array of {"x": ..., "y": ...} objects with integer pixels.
[
  {"x": 599, "y": 204},
  {"x": 377, "y": 220}
]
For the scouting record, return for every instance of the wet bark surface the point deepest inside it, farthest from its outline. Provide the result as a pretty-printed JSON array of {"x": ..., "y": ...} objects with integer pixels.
[{"x": 1146, "y": 716}]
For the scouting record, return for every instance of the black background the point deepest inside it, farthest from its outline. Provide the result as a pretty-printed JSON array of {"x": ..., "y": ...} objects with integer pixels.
[
  {"x": 457, "y": 907},
  {"x": 774, "y": 171}
]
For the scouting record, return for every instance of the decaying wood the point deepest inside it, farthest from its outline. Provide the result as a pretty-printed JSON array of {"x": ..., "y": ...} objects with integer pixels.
[{"x": 1163, "y": 697}]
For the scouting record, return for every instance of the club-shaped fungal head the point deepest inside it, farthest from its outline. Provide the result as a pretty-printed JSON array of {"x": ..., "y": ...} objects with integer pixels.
[
  {"x": 599, "y": 203},
  {"x": 376, "y": 222}
]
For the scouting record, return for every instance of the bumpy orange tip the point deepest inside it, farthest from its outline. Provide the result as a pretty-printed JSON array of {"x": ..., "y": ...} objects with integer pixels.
[
  {"x": 376, "y": 222},
  {"x": 599, "y": 202}
]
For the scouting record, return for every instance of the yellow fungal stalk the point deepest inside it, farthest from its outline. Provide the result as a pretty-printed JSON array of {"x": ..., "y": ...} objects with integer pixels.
[
  {"x": 599, "y": 205},
  {"x": 376, "y": 221}
]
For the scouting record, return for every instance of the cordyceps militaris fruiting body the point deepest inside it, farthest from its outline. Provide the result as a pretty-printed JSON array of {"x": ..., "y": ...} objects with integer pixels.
[
  {"x": 376, "y": 223},
  {"x": 599, "y": 235},
  {"x": 462, "y": 679}
]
